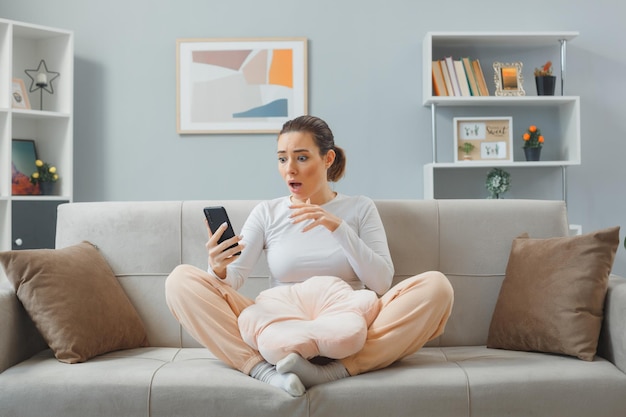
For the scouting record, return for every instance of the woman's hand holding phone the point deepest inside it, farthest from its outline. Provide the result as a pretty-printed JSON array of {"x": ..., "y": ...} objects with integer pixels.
[
  {"x": 223, "y": 246},
  {"x": 222, "y": 254}
]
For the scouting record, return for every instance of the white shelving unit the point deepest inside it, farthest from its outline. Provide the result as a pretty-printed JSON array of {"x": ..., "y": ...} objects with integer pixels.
[
  {"x": 23, "y": 46},
  {"x": 558, "y": 116}
]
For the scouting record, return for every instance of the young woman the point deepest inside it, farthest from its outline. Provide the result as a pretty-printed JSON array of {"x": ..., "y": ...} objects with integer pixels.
[{"x": 314, "y": 231}]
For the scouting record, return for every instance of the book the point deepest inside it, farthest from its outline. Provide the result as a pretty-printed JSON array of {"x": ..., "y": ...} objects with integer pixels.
[
  {"x": 471, "y": 79},
  {"x": 480, "y": 78},
  {"x": 446, "y": 77},
  {"x": 462, "y": 78},
  {"x": 439, "y": 84},
  {"x": 453, "y": 78}
]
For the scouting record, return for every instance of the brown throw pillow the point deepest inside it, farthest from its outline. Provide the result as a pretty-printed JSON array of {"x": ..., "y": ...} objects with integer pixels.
[
  {"x": 552, "y": 296},
  {"x": 75, "y": 301}
]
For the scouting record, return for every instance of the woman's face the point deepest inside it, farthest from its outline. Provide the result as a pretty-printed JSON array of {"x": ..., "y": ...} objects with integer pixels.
[{"x": 302, "y": 167}]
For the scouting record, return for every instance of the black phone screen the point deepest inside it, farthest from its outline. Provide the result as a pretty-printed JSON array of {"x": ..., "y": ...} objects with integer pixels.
[{"x": 216, "y": 216}]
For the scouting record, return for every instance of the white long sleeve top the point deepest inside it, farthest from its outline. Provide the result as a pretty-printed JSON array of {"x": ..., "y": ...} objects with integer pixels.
[{"x": 356, "y": 251}]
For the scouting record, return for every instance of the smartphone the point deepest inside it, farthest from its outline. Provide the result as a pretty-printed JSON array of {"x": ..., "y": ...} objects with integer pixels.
[{"x": 216, "y": 216}]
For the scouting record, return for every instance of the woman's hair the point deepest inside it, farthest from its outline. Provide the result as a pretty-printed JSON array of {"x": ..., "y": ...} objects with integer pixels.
[{"x": 324, "y": 139}]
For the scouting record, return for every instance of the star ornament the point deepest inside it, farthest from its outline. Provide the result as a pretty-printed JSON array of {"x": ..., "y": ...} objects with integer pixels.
[{"x": 42, "y": 78}]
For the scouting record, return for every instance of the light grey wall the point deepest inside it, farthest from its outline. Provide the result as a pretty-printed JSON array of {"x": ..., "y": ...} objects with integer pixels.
[{"x": 365, "y": 72}]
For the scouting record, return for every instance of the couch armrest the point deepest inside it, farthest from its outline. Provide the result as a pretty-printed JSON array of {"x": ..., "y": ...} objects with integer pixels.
[
  {"x": 612, "y": 343},
  {"x": 19, "y": 339}
]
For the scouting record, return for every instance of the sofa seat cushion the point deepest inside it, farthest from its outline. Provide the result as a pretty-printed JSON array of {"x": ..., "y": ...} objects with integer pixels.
[
  {"x": 322, "y": 316},
  {"x": 477, "y": 381},
  {"x": 138, "y": 383},
  {"x": 505, "y": 382},
  {"x": 108, "y": 385}
]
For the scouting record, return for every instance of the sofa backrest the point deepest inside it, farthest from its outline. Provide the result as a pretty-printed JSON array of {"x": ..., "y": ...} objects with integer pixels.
[{"x": 468, "y": 240}]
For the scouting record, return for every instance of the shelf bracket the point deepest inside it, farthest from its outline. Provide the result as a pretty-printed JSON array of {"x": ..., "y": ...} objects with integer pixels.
[
  {"x": 564, "y": 182},
  {"x": 433, "y": 130},
  {"x": 563, "y": 53}
]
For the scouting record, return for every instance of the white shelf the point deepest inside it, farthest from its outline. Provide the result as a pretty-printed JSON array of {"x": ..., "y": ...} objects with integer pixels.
[
  {"x": 483, "y": 164},
  {"x": 563, "y": 146},
  {"x": 511, "y": 101},
  {"x": 39, "y": 114},
  {"x": 22, "y": 47},
  {"x": 40, "y": 197},
  {"x": 490, "y": 39}
]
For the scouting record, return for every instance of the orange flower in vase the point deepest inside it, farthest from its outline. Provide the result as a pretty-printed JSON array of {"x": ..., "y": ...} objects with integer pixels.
[
  {"x": 545, "y": 81},
  {"x": 533, "y": 141}
]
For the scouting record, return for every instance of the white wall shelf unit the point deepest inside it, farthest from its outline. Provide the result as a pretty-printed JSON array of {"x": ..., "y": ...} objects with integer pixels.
[
  {"x": 558, "y": 116},
  {"x": 49, "y": 124}
]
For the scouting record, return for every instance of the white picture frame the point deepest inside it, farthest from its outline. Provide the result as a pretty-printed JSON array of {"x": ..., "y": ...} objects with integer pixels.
[
  {"x": 491, "y": 139},
  {"x": 19, "y": 96},
  {"x": 508, "y": 79}
]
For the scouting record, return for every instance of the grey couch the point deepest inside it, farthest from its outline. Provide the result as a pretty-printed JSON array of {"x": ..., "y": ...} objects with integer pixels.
[{"x": 455, "y": 375}]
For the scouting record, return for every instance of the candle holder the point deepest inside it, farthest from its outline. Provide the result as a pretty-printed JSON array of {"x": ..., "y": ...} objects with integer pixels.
[{"x": 41, "y": 80}]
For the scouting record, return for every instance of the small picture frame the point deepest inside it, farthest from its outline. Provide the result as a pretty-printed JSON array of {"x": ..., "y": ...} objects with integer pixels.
[
  {"x": 508, "y": 79},
  {"x": 483, "y": 139},
  {"x": 19, "y": 97},
  {"x": 23, "y": 157}
]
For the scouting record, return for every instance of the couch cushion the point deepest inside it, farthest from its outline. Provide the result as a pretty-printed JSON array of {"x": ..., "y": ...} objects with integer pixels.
[
  {"x": 141, "y": 382},
  {"x": 514, "y": 383},
  {"x": 474, "y": 254},
  {"x": 477, "y": 381},
  {"x": 322, "y": 316},
  {"x": 552, "y": 296},
  {"x": 135, "y": 237},
  {"x": 196, "y": 384},
  {"x": 74, "y": 300},
  {"x": 456, "y": 381}
]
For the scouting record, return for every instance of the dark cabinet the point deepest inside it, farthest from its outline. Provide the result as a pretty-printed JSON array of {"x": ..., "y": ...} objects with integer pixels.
[{"x": 34, "y": 224}]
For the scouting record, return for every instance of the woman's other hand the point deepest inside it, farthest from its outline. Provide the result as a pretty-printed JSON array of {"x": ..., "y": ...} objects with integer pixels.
[{"x": 316, "y": 214}]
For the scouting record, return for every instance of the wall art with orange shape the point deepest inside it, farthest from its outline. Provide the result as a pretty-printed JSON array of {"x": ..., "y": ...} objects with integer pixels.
[{"x": 240, "y": 85}]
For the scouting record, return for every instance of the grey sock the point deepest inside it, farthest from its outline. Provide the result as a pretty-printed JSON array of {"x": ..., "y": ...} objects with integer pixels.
[
  {"x": 266, "y": 372},
  {"x": 309, "y": 373}
]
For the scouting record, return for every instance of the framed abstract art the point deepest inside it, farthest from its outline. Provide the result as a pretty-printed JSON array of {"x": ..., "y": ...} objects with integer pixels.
[{"x": 239, "y": 85}]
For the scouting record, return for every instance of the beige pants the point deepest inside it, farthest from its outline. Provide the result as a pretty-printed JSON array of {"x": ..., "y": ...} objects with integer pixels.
[{"x": 412, "y": 313}]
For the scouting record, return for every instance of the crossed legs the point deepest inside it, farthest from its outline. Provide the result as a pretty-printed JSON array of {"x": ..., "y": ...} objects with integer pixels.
[{"x": 412, "y": 313}]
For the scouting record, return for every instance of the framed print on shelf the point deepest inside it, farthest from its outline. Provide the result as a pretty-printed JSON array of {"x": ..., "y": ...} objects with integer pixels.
[
  {"x": 508, "y": 79},
  {"x": 19, "y": 97},
  {"x": 484, "y": 139},
  {"x": 239, "y": 85},
  {"x": 23, "y": 157}
]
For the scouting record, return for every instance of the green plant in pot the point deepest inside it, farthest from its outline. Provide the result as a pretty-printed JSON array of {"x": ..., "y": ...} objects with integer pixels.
[
  {"x": 533, "y": 141},
  {"x": 45, "y": 176},
  {"x": 498, "y": 182},
  {"x": 467, "y": 149},
  {"x": 545, "y": 81}
]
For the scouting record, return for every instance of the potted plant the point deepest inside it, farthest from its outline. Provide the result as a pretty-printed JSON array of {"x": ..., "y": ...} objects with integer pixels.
[
  {"x": 45, "y": 177},
  {"x": 467, "y": 149},
  {"x": 533, "y": 141},
  {"x": 498, "y": 182},
  {"x": 544, "y": 80}
]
